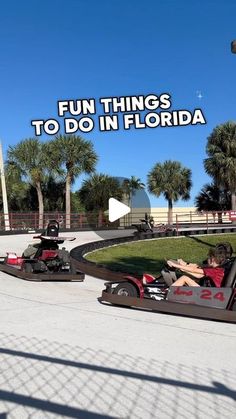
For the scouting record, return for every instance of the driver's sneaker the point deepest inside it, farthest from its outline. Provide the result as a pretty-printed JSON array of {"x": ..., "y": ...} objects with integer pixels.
[
  {"x": 157, "y": 297},
  {"x": 155, "y": 290}
]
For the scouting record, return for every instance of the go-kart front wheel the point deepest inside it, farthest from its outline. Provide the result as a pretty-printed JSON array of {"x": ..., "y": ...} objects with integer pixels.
[{"x": 126, "y": 289}]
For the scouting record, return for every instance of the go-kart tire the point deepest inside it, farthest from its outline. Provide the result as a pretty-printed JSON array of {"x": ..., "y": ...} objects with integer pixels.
[
  {"x": 73, "y": 269},
  {"x": 126, "y": 289},
  {"x": 27, "y": 268},
  {"x": 233, "y": 308},
  {"x": 64, "y": 255}
]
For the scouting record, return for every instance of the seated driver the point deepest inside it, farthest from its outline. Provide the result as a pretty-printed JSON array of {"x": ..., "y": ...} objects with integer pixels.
[
  {"x": 170, "y": 276},
  {"x": 213, "y": 271},
  {"x": 31, "y": 250}
]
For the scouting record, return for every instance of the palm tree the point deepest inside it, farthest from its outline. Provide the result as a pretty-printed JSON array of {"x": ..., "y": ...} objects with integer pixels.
[
  {"x": 54, "y": 194},
  {"x": 28, "y": 158},
  {"x": 172, "y": 180},
  {"x": 212, "y": 198},
  {"x": 96, "y": 191},
  {"x": 221, "y": 161},
  {"x": 17, "y": 190},
  {"x": 130, "y": 186},
  {"x": 71, "y": 155}
]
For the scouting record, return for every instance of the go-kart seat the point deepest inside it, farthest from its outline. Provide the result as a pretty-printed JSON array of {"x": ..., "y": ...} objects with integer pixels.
[
  {"x": 169, "y": 276},
  {"x": 229, "y": 275},
  {"x": 230, "y": 279},
  {"x": 52, "y": 229}
]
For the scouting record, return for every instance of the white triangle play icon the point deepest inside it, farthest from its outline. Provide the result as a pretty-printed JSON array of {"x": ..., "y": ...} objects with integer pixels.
[{"x": 117, "y": 209}]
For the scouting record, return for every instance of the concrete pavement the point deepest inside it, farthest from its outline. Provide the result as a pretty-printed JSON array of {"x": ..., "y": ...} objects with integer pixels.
[{"x": 65, "y": 355}]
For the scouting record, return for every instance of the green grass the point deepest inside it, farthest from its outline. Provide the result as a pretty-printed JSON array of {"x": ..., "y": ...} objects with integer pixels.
[{"x": 150, "y": 255}]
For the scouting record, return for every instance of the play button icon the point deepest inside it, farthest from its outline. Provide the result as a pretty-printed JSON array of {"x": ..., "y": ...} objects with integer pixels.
[
  {"x": 117, "y": 209},
  {"x": 101, "y": 220}
]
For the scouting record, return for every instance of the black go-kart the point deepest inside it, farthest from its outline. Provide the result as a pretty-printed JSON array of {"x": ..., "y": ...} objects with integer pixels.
[{"x": 147, "y": 226}]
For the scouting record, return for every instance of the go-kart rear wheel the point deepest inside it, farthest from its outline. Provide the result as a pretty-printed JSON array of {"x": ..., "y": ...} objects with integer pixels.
[
  {"x": 73, "y": 269},
  {"x": 27, "y": 267},
  {"x": 126, "y": 289},
  {"x": 233, "y": 307}
]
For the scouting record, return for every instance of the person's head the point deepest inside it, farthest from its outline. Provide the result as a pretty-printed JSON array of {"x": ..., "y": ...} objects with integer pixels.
[
  {"x": 225, "y": 247},
  {"x": 216, "y": 256}
]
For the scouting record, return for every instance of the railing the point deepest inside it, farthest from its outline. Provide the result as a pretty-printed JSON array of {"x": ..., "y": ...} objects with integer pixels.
[
  {"x": 203, "y": 219},
  {"x": 30, "y": 220},
  {"x": 89, "y": 220}
]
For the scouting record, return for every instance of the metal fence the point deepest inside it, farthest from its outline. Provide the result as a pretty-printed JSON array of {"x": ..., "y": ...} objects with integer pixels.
[
  {"x": 30, "y": 220},
  {"x": 91, "y": 220}
]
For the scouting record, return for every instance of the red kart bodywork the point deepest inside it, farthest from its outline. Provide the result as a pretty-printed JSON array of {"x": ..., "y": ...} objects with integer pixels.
[
  {"x": 48, "y": 264},
  {"x": 13, "y": 260}
]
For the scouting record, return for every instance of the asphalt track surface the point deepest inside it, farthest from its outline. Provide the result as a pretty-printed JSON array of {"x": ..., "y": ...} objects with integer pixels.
[{"x": 63, "y": 354}]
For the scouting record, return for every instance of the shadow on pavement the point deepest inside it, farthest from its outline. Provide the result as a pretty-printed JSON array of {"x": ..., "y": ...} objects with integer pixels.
[{"x": 52, "y": 378}]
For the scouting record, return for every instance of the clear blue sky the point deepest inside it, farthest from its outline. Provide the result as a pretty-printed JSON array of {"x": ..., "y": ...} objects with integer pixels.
[{"x": 73, "y": 49}]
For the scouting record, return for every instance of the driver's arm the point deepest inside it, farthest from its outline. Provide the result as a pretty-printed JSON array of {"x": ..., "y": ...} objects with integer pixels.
[{"x": 190, "y": 268}]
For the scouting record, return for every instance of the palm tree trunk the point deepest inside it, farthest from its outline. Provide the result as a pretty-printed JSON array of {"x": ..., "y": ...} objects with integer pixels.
[
  {"x": 233, "y": 201},
  {"x": 127, "y": 202},
  {"x": 170, "y": 212},
  {"x": 233, "y": 204},
  {"x": 220, "y": 219},
  {"x": 68, "y": 187},
  {"x": 40, "y": 202},
  {"x": 100, "y": 218},
  {"x": 129, "y": 214}
]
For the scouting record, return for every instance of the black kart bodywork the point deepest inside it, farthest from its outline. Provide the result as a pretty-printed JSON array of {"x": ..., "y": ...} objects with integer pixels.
[{"x": 203, "y": 302}]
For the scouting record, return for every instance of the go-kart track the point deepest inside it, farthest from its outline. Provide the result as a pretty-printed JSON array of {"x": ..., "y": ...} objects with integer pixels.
[{"x": 63, "y": 354}]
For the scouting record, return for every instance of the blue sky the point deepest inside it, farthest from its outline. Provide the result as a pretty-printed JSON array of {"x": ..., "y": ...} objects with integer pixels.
[{"x": 55, "y": 50}]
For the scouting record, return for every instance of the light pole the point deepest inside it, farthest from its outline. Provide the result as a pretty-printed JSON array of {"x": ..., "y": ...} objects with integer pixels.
[
  {"x": 4, "y": 192},
  {"x": 233, "y": 47}
]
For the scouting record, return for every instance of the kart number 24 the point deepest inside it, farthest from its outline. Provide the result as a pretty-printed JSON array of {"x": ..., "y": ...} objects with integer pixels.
[{"x": 209, "y": 295}]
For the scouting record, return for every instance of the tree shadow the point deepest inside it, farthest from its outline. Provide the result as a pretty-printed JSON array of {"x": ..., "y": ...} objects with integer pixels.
[
  {"x": 135, "y": 265},
  {"x": 196, "y": 239}
]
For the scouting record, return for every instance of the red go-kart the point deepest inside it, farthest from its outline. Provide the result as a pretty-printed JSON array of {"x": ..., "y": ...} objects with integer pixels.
[
  {"x": 154, "y": 294},
  {"x": 43, "y": 260}
]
